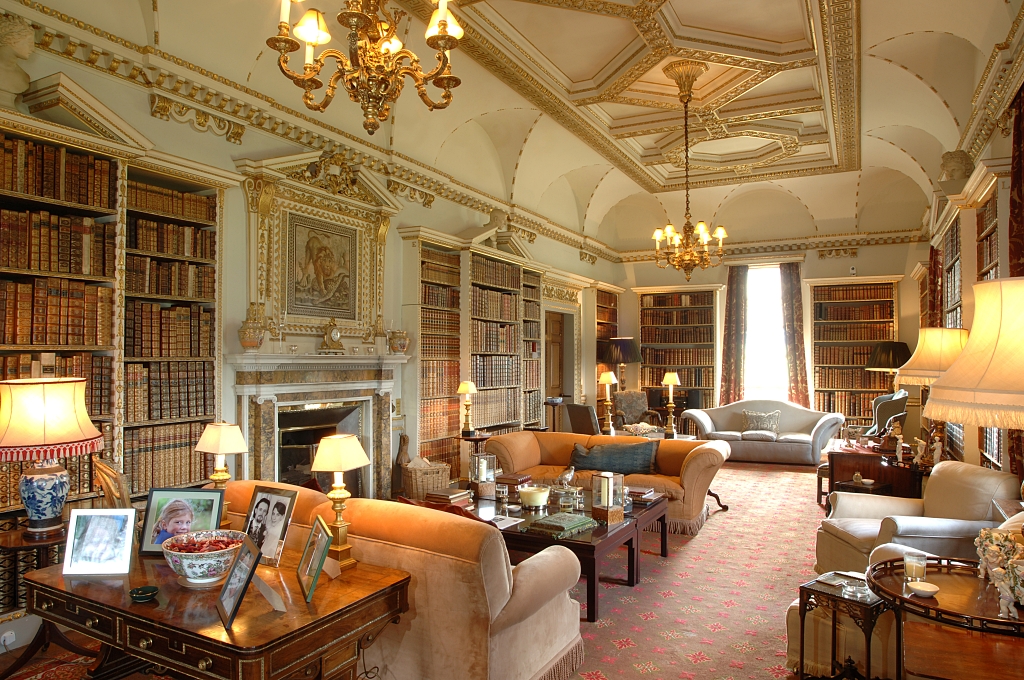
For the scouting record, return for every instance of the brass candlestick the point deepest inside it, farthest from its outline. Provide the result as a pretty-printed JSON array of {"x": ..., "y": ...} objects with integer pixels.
[
  {"x": 670, "y": 421},
  {"x": 467, "y": 425},
  {"x": 609, "y": 427}
]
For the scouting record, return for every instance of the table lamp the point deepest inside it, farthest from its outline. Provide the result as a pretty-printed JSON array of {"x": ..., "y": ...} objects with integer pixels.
[
  {"x": 339, "y": 453},
  {"x": 618, "y": 352},
  {"x": 887, "y": 357},
  {"x": 43, "y": 419},
  {"x": 937, "y": 349},
  {"x": 607, "y": 379},
  {"x": 222, "y": 440},
  {"x": 672, "y": 380},
  {"x": 468, "y": 387}
]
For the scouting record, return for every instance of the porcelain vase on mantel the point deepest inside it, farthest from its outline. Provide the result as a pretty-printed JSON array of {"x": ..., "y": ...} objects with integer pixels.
[
  {"x": 398, "y": 342},
  {"x": 253, "y": 329}
]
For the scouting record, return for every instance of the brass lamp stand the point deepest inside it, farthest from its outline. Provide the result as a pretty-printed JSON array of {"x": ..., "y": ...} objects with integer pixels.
[
  {"x": 340, "y": 549},
  {"x": 608, "y": 379},
  {"x": 339, "y": 453},
  {"x": 468, "y": 387},
  {"x": 670, "y": 421}
]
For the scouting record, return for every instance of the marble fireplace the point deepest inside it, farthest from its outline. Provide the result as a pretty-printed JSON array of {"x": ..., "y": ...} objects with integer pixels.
[{"x": 279, "y": 398}]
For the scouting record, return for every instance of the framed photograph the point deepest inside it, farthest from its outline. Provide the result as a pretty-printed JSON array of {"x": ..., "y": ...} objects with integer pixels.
[
  {"x": 239, "y": 576},
  {"x": 100, "y": 541},
  {"x": 170, "y": 512},
  {"x": 322, "y": 264},
  {"x": 313, "y": 556},
  {"x": 266, "y": 523}
]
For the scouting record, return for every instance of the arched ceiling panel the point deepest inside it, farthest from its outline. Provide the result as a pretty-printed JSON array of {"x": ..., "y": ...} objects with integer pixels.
[
  {"x": 921, "y": 146},
  {"x": 614, "y": 187},
  {"x": 508, "y": 130},
  {"x": 983, "y": 22},
  {"x": 560, "y": 204},
  {"x": 550, "y": 152},
  {"x": 948, "y": 63},
  {"x": 889, "y": 200},
  {"x": 631, "y": 221},
  {"x": 469, "y": 155},
  {"x": 882, "y": 153},
  {"x": 895, "y": 96},
  {"x": 764, "y": 213}
]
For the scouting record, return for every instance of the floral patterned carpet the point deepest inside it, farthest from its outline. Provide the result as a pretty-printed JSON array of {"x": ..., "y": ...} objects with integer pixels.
[{"x": 715, "y": 609}]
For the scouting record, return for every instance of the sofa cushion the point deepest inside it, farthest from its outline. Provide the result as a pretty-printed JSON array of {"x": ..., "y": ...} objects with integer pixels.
[
  {"x": 758, "y": 436},
  {"x": 794, "y": 438},
  {"x": 624, "y": 458},
  {"x": 756, "y": 420},
  {"x": 859, "y": 533},
  {"x": 725, "y": 435}
]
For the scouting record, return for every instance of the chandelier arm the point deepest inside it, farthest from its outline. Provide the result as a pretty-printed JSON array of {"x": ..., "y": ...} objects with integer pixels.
[
  {"x": 415, "y": 71},
  {"x": 315, "y": 67},
  {"x": 446, "y": 97}
]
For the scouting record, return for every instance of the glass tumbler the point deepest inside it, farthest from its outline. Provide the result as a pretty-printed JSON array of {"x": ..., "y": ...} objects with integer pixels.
[
  {"x": 566, "y": 504},
  {"x": 914, "y": 566},
  {"x": 501, "y": 493}
]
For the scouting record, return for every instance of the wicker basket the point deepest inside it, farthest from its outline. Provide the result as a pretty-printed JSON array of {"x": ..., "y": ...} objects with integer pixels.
[{"x": 418, "y": 481}]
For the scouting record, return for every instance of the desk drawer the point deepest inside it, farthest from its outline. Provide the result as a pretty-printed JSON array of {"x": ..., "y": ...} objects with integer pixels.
[
  {"x": 195, "y": 660},
  {"x": 90, "y": 620}
]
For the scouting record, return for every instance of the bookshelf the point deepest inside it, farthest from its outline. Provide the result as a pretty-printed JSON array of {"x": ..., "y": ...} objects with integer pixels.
[
  {"x": 607, "y": 327},
  {"x": 496, "y": 310},
  {"x": 847, "y": 320},
  {"x": 439, "y": 354},
  {"x": 533, "y": 394},
  {"x": 990, "y": 439},
  {"x": 679, "y": 331}
]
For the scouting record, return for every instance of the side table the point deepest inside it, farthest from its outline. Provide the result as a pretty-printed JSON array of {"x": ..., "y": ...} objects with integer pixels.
[
  {"x": 856, "y": 487},
  {"x": 1006, "y": 508},
  {"x": 476, "y": 440},
  {"x": 864, "y": 611}
]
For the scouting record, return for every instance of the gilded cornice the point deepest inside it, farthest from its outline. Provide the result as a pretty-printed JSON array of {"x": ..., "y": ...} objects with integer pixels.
[{"x": 834, "y": 242}]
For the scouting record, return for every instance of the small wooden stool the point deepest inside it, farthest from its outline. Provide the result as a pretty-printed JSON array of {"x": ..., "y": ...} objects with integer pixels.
[{"x": 823, "y": 472}]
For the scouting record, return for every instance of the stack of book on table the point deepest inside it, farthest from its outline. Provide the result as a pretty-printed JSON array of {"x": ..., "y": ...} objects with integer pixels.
[
  {"x": 562, "y": 525},
  {"x": 643, "y": 496},
  {"x": 460, "y": 497},
  {"x": 513, "y": 479}
]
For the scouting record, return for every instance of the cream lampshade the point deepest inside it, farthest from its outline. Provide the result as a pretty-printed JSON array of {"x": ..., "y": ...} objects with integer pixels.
[
  {"x": 221, "y": 439},
  {"x": 671, "y": 380},
  {"x": 607, "y": 379},
  {"x": 43, "y": 419},
  {"x": 937, "y": 349},
  {"x": 468, "y": 387},
  {"x": 339, "y": 453},
  {"x": 983, "y": 387}
]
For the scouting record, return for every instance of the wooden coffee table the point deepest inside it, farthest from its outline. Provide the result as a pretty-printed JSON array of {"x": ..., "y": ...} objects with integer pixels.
[
  {"x": 962, "y": 635},
  {"x": 589, "y": 546},
  {"x": 181, "y": 631}
]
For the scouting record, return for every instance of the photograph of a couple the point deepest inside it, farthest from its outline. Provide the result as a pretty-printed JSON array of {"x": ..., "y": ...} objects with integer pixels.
[{"x": 267, "y": 522}]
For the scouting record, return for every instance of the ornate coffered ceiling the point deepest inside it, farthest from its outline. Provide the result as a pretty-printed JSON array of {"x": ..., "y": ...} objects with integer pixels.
[{"x": 780, "y": 97}]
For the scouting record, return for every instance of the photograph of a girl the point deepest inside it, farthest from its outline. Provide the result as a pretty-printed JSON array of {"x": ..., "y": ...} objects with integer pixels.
[
  {"x": 176, "y": 518},
  {"x": 99, "y": 541},
  {"x": 172, "y": 512}
]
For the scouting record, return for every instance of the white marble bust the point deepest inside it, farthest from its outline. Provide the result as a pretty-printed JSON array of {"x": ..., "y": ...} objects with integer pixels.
[
  {"x": 17, "y": 41},
  {"x": 957, "y": 164}
]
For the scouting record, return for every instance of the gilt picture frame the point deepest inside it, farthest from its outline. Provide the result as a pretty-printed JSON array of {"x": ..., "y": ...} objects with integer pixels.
[{"x": 322, "y": 268}]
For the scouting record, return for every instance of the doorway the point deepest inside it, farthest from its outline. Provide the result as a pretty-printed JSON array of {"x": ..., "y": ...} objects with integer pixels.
[{"x": 559, "y": 362}]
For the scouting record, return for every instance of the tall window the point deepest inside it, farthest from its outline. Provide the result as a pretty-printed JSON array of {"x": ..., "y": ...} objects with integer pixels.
[{"x": 765, "y": 374}]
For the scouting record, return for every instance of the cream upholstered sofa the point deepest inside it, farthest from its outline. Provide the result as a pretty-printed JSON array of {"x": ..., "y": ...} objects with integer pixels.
[
  {"x": 957, "y": 504},
  {"x": 471, "y": 614},
  {"x": 683, "y": 469},
  {"x": 802, "y": 435}
]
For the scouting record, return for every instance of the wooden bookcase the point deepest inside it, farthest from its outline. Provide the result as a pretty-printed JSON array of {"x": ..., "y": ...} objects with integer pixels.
[
  {"x": 990, "y": 439},
  {"x": 848, "y": 318},
  {"x": 66, "y": 261},
  {"x": 679, "y": 331},
  {"x": 533, "y": 394},
  {"x": 607, "y": 328},
  {"x": 495, "y": 331},
  {"x": 439, "y": 354}
]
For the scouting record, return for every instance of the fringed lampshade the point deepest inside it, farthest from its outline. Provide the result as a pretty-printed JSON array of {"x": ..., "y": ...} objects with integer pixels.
[
  {"x": 983, "y": 387},
  {"x": 937, "y": 349}
]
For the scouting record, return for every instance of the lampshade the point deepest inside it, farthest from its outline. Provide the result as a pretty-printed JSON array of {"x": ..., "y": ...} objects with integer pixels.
[
  {"x": 467, "y": 387},
  {"x": 44, "y": 419},
  {"x": 607, "y": 378},
  {"x": 983, "y": 387},
  {"x": 620, "y": 351},
  {"x": 937, "y": 349},
  {"x": 312, "y": 28},
  {"x": 671, "y": 378},
  {"x": 339, "y": 453},
  {"x": 888, "y": 356},
  {"x": 222, "y": 439}
]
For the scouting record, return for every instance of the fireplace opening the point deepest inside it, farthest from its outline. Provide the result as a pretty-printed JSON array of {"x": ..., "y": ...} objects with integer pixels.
[{"x": 300, "y": 429}]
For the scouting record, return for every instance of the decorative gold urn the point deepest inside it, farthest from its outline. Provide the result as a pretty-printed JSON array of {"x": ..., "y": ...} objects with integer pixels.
[
  {"x": 398, "y": 341},
  {"x": 253, "y": 329}
]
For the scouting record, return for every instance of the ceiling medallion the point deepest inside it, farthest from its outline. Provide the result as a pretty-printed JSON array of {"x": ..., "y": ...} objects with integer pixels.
[
  {"x": 688, "y": 249},
  {"x": 376, "y": 65}
]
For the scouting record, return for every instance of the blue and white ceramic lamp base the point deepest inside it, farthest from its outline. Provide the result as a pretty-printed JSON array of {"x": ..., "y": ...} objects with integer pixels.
[{"x": 44, "y": 490}]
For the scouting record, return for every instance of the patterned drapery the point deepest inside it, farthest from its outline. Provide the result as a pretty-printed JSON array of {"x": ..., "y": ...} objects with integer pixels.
[
  {"x": 793, "y": 327},
  {"x": 735, "y": 335},
  {"x": 930, "y": 289},
  {"x": 1015, "y": 251}
]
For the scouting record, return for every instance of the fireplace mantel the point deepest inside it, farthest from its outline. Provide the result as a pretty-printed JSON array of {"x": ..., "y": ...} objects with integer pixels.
[{"x": 262, "y": 381}]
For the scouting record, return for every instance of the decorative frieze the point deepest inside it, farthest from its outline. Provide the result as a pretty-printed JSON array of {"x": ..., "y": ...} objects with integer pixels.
[
  {"x": 589, "y": 258},
  {"x": 415, "y": 195},
  {"x": 828, "y": 253},
  {"x": 165, "y": 108}
]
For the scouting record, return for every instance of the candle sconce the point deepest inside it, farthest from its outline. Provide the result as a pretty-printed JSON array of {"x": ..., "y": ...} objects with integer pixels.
[{"x": 482, "y": 470}]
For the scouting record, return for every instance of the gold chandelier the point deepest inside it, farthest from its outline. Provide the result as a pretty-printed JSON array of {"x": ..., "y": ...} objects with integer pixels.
[
  {"x": 687, "y": 249},
  {"x": 376, "y": 65}
]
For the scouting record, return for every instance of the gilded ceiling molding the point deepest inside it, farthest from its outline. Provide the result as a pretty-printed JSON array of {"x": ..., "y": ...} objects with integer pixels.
[
  {"x": 829, "y": 253},
  {"x": 587, "y": 257},
  {"x": 840, "y": 20},
  {"x": 730, "y": 120},
  {"x": 167, "y": 109},
  {"x": 841, "y": 241},
  {"x": 412, "y": 193}
]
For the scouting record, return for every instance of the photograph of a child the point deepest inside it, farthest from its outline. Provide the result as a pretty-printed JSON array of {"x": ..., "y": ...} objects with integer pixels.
[
  {"x": 171, "y": 512},
  {"x": 99, "y": 541},
  {"x": 233, "y": 591},
  {"x": 267, "y": 524}
]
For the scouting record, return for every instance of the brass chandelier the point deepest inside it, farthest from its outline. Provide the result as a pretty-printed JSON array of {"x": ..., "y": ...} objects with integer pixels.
[
  {"x": 687, "y": 249},
  {"x": 374, "y": 70}
]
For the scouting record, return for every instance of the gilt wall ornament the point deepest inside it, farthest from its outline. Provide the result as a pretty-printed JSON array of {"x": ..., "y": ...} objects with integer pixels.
[
  {"x": 165, "y": 108},
  {"x": 415, "y": 195},
  {"x": 334, "y": 174},
  {"x": 17, "y": 41}
]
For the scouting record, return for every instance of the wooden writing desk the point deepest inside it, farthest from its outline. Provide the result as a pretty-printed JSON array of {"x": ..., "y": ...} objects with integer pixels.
[
  {"x": 844, "y": 461},
  {"x": 181, "y": 630}
]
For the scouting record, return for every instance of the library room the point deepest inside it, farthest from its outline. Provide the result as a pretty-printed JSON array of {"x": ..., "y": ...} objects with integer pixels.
[{"x": 511, "y": 339}]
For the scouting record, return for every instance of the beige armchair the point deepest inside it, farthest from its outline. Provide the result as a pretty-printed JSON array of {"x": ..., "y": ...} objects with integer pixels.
[{"x": 957, "y": 504}]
